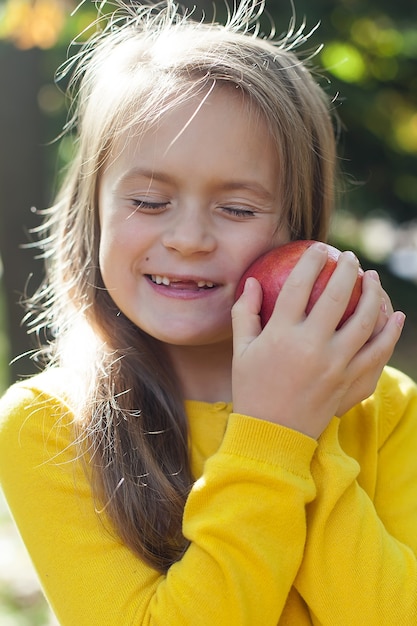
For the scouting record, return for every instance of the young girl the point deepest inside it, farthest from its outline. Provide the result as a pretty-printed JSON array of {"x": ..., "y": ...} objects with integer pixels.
[{"x": 175, "y": 464}]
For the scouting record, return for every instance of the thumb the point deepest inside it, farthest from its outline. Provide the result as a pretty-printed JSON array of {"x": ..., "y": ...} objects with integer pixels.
[{"x": 246, "y": 322}]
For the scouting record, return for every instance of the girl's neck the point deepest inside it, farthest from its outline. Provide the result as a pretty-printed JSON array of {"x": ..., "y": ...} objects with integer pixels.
[{"x": 205, "y": 372}]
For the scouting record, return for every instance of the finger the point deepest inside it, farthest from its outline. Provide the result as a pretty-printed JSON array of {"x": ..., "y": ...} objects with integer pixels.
[
  {"x": 366, "y": 368},
  {"x": 295, "y": 293},
  {"x": 386, "y": 310},
  {"x": 388, "y": 304},
  {"x": 376, "y": 353},
  {"x": 369, "y": 313},
  {"x": 246, "y": 322},
  {"x": 333, "y": 301}
]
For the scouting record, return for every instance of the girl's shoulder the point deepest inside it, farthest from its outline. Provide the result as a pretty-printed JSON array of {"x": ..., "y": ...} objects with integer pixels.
[
  {"x": 44, "y": 398},
  {"x": 56, "y": 382},
  {"x": 393, "y": 381},
  {"x": 394, "y": 393},
  {"x": 393, "y": 402},
  {"x": 39, "y": 425}
]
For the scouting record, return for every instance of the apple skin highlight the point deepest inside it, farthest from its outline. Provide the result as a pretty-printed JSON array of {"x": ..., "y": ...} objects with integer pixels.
[{"x": 272, "y": 269}]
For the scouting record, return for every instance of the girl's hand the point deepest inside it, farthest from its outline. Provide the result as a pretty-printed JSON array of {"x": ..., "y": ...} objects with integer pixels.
[
  {"x": 371, "y": 361},
  {"x": 299, "y": 371}
]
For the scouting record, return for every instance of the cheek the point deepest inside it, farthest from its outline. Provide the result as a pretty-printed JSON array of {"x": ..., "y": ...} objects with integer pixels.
[
  {"x": 256, "y": 246},
  {"x": 112, "y": 257},
  {"x": 104, "y": 252},
  {"x": 282, "y": 232},
  {"x": 115, "y": 242}
]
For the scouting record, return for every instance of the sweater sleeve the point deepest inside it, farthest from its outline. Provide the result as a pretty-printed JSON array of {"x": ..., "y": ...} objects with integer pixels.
[
  {"x": 245, "y": 518},
  {"x": 360, "y": 563}
]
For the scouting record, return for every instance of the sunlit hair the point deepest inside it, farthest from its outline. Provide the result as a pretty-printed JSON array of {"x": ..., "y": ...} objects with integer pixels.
[{"x": 142, "y": 62}]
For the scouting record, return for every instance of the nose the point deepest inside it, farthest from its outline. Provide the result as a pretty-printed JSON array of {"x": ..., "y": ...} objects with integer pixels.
[{"x": 190, "y": 232}]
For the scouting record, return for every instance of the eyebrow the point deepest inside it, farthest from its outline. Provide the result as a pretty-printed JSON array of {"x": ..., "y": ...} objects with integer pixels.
[
  {"x": 136, "y": 172},
  {"x": 252, "y": 186},
  {"x": 233, "y": 185}
]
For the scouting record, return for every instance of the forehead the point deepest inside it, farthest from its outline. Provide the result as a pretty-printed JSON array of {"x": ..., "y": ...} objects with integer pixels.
[{"x": 220, "y": 114}]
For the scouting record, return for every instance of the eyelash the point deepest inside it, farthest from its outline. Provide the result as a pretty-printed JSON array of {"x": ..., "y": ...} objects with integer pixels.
[
  {"x": 239, "y": 212},
  {"x": 234, "y": 211},
  {"x": 143, "y": 204}
]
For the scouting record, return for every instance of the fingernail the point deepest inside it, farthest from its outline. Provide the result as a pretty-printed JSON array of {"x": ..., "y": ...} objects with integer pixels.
[
  {"x": 351, "y": 254},
  {"x": 319, "y": 245},
  {"x": 374, "y": 275},
  {"x": 384, "y": 307},
  {"x": 400, "y": 319},
  {"x": 248, "y": 283}
]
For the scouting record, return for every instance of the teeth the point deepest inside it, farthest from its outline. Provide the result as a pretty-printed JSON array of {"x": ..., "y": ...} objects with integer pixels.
[
  {"x": 164, "y": 280},
  {"x": 161, "y": 280}
]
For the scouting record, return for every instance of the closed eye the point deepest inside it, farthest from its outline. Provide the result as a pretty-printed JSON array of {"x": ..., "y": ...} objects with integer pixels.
[
  {"x": 149, "y": 206},
  {"x": 238, "y": 212}
]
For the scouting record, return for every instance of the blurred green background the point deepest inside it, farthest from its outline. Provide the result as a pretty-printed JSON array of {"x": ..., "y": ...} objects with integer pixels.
[{"x": 368, "y": 64}]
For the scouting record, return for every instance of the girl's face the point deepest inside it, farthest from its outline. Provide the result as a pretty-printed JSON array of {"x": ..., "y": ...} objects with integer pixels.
[{"x": 183, "y": 211}]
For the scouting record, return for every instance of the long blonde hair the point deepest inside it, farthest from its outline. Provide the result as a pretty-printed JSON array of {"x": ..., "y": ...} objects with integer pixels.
[{"x": 143, "y": 61}]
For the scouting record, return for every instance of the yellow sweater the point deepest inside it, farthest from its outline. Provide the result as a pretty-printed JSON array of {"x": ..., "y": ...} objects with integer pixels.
[{"x": 283, "y": 529}]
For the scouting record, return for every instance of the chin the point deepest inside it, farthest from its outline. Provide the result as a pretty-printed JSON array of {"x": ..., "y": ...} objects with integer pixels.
[{"x": 195, "y": 339}]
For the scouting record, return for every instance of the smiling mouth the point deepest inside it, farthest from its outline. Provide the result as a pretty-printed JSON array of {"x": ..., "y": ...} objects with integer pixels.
[{"x": 179, "y": 283}]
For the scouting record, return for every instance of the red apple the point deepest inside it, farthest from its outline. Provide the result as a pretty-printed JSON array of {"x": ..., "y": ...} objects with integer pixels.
[{"x": 272, "y": 269}]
